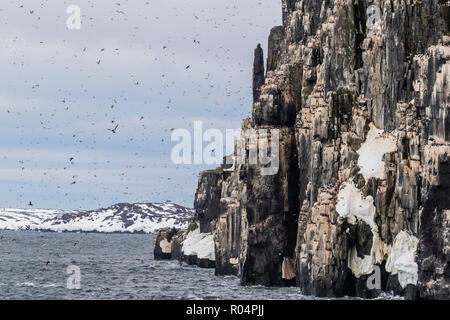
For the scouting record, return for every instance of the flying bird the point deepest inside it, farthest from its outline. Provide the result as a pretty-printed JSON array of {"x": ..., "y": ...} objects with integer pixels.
[{"x": 114, "y": 130}]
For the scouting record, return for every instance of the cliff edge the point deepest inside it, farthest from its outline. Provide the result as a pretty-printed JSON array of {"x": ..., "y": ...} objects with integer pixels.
[{"x": 357, "y": 94}]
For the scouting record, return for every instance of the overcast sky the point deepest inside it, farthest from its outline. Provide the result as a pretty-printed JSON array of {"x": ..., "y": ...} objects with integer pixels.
[{"x": 61, "y": 90}]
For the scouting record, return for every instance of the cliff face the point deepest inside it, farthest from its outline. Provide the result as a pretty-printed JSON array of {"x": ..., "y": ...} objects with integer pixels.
[
  {"x": 185, "y": 245},
  {"x": 360, "y": 97}
]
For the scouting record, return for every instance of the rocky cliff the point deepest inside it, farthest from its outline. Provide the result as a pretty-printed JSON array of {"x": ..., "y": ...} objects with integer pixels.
[
  {"x": 357, "y": 94},
  {"x": 194, "y": 245}
]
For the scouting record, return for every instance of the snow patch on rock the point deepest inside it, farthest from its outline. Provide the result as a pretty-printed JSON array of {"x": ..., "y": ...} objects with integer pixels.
[
  {"x": 352, "y": 206},
  {"x": 199, "y": 244},
  {"x": 401, "y": 261},
  {"x": 132, "y": 218},
  {"x": 359, "y": 266},
  {"x": 371, "y": 153},
  {"x": 408, "y": 270}
]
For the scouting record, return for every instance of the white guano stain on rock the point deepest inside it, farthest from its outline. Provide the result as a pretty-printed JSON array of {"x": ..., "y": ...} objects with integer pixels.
[
  {"x": 401, "y": 261},
  {"x": 371, "y": 153},
  {"x": 352, "y": 206},
  {"x": 199, "y": 244},
  {"x": 166, "y": 246}
]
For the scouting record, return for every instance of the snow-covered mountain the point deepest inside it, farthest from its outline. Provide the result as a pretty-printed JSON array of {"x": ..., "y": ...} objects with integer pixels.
[{"x": 122, "y": 217}]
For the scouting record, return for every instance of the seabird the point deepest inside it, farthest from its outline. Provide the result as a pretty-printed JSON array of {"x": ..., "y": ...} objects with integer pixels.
[{"x": 114, "y": 130}]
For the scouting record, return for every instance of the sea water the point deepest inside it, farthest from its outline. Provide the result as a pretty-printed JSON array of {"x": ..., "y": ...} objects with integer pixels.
[{"x": 40, "y": 265}]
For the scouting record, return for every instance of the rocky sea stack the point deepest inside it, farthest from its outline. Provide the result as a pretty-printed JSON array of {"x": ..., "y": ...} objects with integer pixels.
[{"x": 360, "y": 94}]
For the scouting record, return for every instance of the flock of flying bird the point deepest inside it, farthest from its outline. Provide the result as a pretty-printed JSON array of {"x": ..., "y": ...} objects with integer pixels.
[{"x": 198, "y": 77}]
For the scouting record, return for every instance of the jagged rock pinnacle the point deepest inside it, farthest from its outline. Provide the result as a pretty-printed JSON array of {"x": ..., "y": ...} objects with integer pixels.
[{"x": 258, "y": 72}]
